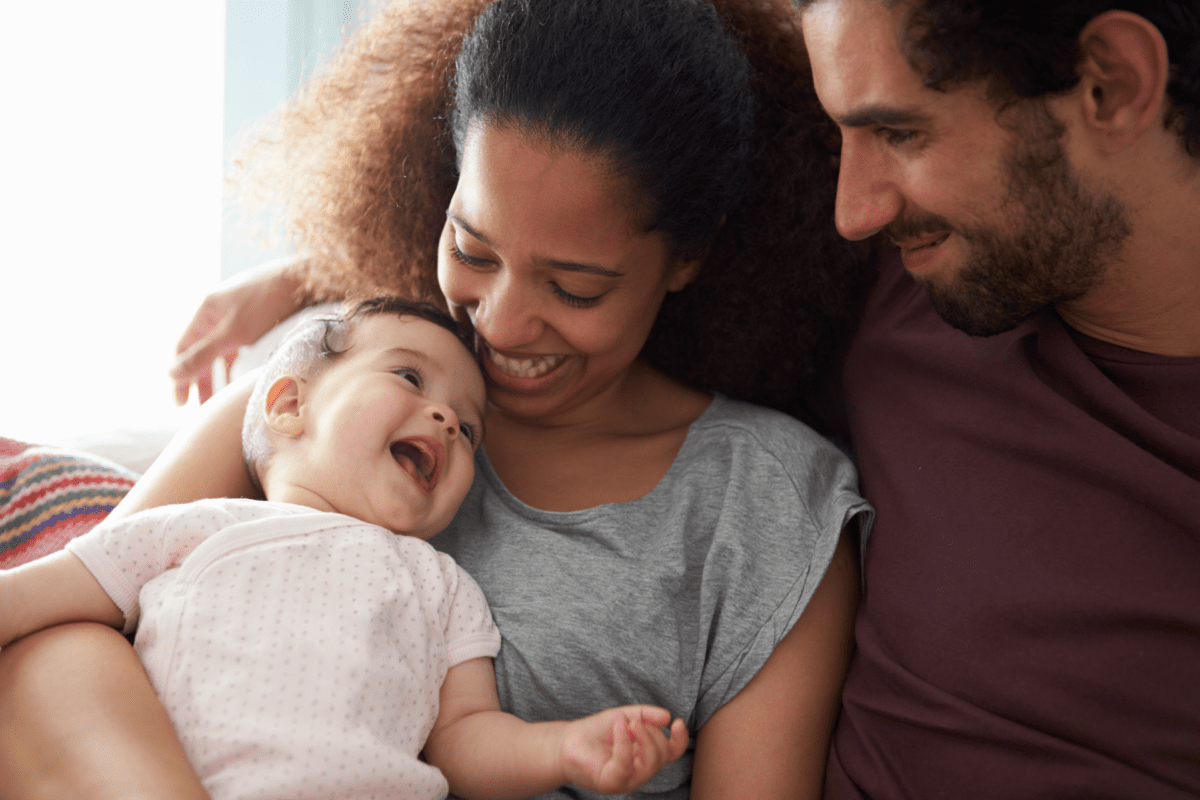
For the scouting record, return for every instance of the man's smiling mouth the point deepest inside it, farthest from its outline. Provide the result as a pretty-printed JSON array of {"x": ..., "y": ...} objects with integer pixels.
[{"x": 913, "y": 245}]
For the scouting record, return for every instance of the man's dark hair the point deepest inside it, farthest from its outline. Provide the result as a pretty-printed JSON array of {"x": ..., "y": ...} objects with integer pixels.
[{"x": 1029, "y": 50}]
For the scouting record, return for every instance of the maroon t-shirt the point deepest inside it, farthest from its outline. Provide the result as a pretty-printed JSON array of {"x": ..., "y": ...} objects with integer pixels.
[{"x": 1030, "y": 626}]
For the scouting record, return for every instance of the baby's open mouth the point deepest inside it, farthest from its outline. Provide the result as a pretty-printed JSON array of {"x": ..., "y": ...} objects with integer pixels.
[{"x": 418, "y": 459}]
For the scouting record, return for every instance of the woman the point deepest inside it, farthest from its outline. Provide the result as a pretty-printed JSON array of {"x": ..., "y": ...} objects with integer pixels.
[{"x": 635, "y": 534}]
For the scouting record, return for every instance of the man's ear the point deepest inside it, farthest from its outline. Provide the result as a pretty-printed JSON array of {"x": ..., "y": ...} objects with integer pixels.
[
  {"x": 1123, "y": 76},
  {"x": 283, "y": 407}
]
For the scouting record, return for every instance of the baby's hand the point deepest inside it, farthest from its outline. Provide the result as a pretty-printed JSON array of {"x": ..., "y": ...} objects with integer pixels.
[{"x": 618, "y": 750}]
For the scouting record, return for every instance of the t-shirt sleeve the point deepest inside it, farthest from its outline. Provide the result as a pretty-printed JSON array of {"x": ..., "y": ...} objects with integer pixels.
[
  {"x": 470, "y": 631},
  {"x": 790, "y": 495},
  {"x": 123, "y": 556}
]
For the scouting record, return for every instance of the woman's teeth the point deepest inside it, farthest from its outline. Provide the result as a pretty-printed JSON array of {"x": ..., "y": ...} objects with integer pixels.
[{"x": 524, "y": 367}]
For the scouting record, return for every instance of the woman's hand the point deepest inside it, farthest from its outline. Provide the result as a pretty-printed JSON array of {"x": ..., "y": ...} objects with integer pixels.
[
  {"x": 616, "y": 751},
  {"x": 238, "y": 313}
]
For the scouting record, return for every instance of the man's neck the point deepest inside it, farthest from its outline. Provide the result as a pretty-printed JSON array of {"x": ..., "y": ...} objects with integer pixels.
[{"x": 1149, "y": 300}]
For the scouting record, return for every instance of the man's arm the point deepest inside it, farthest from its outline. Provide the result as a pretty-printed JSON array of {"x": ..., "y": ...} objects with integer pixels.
[
  {"x": 485, "y": 753},
  {"x": 51, "y": 591}
]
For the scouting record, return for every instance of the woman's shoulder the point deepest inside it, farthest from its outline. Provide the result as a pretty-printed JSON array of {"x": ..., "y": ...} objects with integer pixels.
[{"x": 773, "y": 435}]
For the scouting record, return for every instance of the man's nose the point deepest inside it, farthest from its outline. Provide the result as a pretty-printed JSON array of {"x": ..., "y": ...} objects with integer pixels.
[{"x": 867, "y": 196}]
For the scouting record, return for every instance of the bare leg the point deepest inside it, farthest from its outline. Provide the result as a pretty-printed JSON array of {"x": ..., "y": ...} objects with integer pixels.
[{"x": 79, "y": 719}]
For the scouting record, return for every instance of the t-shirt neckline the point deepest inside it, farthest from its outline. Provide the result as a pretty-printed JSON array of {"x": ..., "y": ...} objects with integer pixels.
[{"x": 484, "y": 465}]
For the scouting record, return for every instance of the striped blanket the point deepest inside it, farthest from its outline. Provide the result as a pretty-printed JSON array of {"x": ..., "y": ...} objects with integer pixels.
[{"x": 49, "y": 496}]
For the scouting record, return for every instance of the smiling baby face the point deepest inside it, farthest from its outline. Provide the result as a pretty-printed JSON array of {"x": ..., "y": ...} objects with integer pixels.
[{"x": 387, "y": 433}]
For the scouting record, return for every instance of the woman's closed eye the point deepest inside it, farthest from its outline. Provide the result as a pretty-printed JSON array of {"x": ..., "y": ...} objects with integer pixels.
[
  {"x": 574, "y": 299},
  {"x": 470, "y": 261}
]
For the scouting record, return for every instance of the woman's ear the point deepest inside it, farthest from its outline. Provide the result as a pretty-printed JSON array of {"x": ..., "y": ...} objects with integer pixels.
[
  {"x": 686, "y": 270},
  {"x": 283, "y": 406},
  {"x": 684, "y": 273},
  {"x": 1123, "y": 76}
]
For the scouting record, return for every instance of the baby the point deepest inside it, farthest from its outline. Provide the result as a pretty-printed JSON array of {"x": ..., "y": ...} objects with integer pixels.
[{"x": 301, "y": 648}]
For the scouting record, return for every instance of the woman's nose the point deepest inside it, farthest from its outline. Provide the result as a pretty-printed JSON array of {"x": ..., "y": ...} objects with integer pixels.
[
  {"x": 505, "y": 312},
  {"x": 867, "y": 197}
]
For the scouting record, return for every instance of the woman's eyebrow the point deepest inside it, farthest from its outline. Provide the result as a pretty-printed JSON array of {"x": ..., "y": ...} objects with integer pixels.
[
  {"x": 569, "y": 266},
  {"x": 460, "y": 222}
]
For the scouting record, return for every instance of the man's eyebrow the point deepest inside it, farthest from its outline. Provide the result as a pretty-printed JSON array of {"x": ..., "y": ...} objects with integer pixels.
[{"x": 888, "y": 116}]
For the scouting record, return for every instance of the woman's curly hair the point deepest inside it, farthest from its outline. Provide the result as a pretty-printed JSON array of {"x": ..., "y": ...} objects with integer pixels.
[{"x": 364, "y": 160}]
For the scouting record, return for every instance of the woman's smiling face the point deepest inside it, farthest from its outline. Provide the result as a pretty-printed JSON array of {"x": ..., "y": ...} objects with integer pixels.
[{"x": 542, "y": 253}]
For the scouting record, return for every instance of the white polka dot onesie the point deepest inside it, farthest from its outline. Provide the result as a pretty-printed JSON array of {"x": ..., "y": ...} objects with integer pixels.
[{"x": 298, "y": 653}]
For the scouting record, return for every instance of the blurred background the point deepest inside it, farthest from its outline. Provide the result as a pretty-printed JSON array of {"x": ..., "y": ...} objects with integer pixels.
[{"x": 120, "y": 122}]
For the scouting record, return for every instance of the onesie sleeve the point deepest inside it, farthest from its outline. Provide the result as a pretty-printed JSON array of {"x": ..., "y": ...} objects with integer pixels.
[
  {"x": 123, "y": 556},
  {"x": 470, "y": 631}
]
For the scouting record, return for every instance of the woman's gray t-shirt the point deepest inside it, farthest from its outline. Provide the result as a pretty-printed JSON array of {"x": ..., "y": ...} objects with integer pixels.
[{"x": 675, "y": 599}]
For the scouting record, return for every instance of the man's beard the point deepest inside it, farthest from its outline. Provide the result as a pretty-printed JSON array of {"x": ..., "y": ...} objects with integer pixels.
[{"x": 1058, "y": 240}]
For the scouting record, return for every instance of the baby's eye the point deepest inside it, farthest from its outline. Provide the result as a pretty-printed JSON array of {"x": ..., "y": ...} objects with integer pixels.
[
  {"x": 411, "y": 375},
  {"x": 467, "y": 430}
]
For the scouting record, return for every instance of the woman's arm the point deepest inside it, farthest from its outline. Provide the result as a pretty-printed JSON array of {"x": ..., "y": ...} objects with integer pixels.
[
  {"x": 772, "y": 738},
  {"x": 203, "y": 460}
]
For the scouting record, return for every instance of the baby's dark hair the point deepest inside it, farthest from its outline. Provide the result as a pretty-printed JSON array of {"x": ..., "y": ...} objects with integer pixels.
[{"x": 313, "y": 347}]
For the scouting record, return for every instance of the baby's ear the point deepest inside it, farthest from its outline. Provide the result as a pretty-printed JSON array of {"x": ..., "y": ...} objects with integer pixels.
[{"x": 282, "y": 407}]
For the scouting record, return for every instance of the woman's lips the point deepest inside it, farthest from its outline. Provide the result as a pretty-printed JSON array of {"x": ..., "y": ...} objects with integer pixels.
[
  {"x": 520, "y": 373},
  {"x": 521, "y": 366},
  {"x": 422, "y": 458}
]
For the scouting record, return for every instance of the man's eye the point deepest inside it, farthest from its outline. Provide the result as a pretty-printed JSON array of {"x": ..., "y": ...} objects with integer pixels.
[
  {"x": 896, "y": 135},
  {"x": 411, "y": 375}
]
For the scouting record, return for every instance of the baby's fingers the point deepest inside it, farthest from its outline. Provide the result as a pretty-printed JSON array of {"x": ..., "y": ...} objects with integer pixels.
[
  {"x": 678, "y": 742},
  {"x": 654, "y": 749}
]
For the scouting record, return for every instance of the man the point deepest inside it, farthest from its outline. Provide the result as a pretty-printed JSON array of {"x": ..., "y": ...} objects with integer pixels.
[{"x": 1031, "y": 619}]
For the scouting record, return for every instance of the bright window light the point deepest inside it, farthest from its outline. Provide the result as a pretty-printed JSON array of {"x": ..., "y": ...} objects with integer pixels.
[{"x": 112, "y": 207}]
